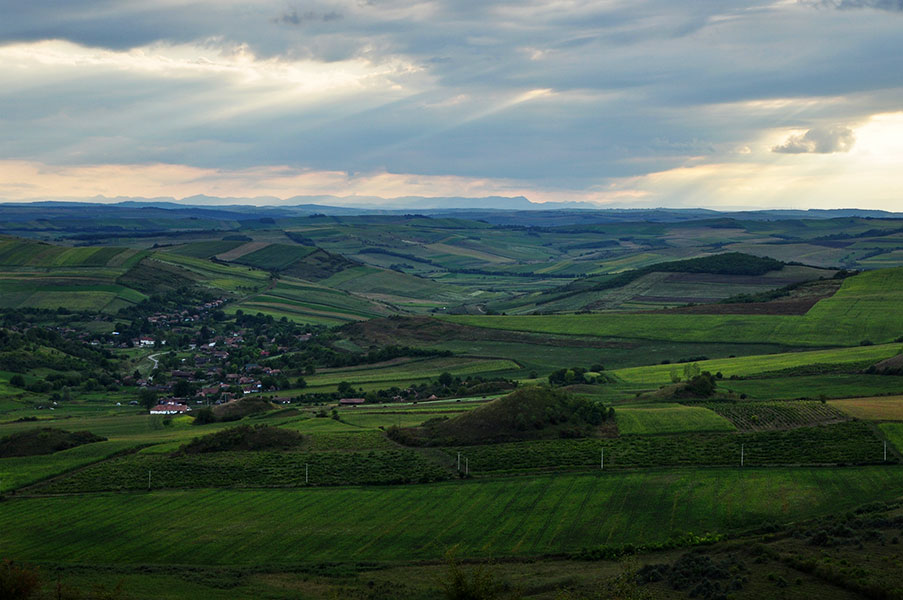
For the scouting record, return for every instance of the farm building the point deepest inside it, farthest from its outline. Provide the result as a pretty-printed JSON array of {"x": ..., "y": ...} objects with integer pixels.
[
  {"x": 351, "y": 401},
  {"x": 170, "y": 408}
]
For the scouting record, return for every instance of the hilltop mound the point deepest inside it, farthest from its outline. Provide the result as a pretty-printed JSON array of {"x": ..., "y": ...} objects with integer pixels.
[
  {"x": 239, "y": 409},
  {"x": 526, "y": 414},
  {"x": 244, "y": 437},
  {"x": 46, "y": 440}
]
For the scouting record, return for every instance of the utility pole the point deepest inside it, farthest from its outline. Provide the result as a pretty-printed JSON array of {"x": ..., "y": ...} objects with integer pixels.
[
  {"x": 741, "y": 454},
  {"x": 459, "y": 462},
  {"x": 602, "y": 459},
  {"x": 466, "y": 467},
  {"x": 306, "y": 479}
]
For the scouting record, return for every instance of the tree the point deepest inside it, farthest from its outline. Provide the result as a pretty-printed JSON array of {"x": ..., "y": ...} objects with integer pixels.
[
  {"x": 301, "y": 383},
  {"x": 182, "y": 388},
  {"x": 17, "y": 381},
  {"x": 147, "y": 398},
  {"x": 17, "y": 583},
  {"x": 691, "y": 371},
  {"x": 446, "y": 379},
  {"x": 345, "y": 388}
]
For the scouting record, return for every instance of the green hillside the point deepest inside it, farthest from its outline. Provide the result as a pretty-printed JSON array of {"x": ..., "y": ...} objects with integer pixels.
[{"x": 864, "y": 309}]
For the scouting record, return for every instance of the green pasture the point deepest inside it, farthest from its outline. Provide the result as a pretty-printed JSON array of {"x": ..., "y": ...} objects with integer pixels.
[
  {"x": 669, "y": 419},
  {"x": 752, "y": 365},
  {"x": 518, "y": 516},
  {"x": 864, "y": 308}
]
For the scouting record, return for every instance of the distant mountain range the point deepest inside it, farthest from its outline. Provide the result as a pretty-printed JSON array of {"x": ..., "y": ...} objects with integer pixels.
[{"x": 497, "y": 210}]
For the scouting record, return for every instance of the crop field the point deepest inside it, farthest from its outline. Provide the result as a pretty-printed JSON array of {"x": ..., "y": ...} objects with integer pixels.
[
  {"x": 20, "y": 253},
  {"x": 841, "y": 443},
  {"x": 274, "y": 256},
  {"x": 862, "y": 309},
  {"x": 519, "y": 516},
  {"x": 669, "y": 419},
  {"x": 746, "y": 366},
  {"x": 204, "y": 249},
  {"x": 409, "y": 372},
  {"x": 72, "y": 293},
  {"x": 761, "y": 416},
  {"x": 883, "y": 408},
  {"x": 251, "y": 469},
  {"x": 388, "y": 285}
]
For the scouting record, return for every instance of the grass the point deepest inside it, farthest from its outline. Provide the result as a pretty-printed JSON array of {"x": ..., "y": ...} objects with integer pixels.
[
  {"x": 754, "y": 365},
  {"x": 887, "y": 408},
  {"x": 864, "y": 308},
  {"x": 26, "y": 470},
  {"x": 669, "y": 419},
  {"x": 816, "y": 386},
  {"x": 518, "y": 516},
  {"x": 894, "y": 433}
]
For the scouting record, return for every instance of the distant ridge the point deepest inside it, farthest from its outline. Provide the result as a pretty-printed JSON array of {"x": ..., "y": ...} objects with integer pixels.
[{"x": 496, "y": 210}]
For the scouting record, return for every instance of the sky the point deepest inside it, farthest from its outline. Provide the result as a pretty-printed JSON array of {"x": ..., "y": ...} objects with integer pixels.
[{"x": 725, "y": 104}]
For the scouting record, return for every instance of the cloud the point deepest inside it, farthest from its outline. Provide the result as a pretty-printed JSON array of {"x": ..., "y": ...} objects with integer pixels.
[
  {"x": 889, "y": 5},
  {"x": 826, "y": 140}
]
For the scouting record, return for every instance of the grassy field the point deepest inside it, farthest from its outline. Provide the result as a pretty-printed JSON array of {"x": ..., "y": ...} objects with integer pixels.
[
  {"x": 884, "y": 408},
  {"x": 24, "y": 470},
  {"x": 519, "y": 516},
  {"x": 669, "y": 419},
  {"x": 753, "y": 365},
  {"x": 863, "y": 309},
  {"x": 816, "y": 386},
  {"x": 894, "y": 433}
]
